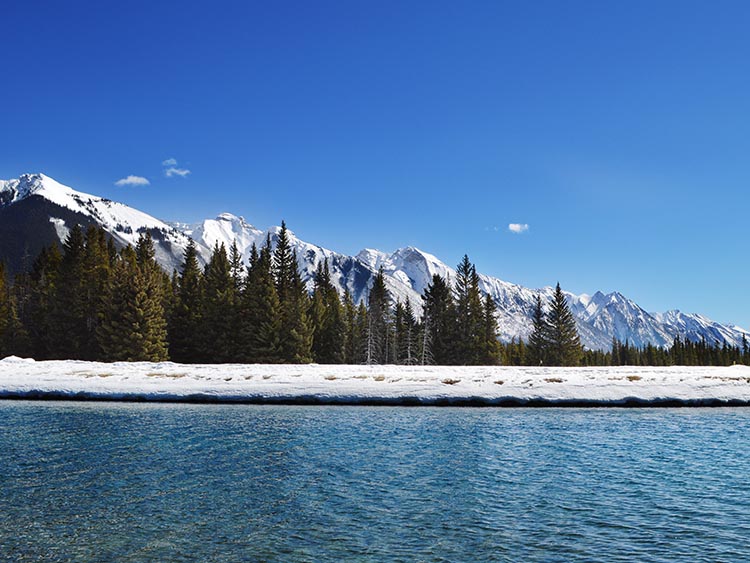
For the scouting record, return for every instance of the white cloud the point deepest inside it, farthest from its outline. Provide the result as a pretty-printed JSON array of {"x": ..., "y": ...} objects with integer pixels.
[
  {"x": 182, "y": 172},
  {"x": 132, "y": 181},
  {"x": 169, "y": 162},
  {"x": 518, "y": 228}
]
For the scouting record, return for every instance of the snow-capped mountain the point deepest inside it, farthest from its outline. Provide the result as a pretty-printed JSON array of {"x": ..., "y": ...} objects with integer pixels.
[{"x": 36, "y": 211}]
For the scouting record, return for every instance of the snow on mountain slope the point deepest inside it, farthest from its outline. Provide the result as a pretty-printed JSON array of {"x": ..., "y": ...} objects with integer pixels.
[
  {"x": 124, "y": 223},
  {"x": 407, "y": 271}
]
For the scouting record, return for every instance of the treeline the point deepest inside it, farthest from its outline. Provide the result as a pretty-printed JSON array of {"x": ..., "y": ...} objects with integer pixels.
[{"x": 90, "y": 301}]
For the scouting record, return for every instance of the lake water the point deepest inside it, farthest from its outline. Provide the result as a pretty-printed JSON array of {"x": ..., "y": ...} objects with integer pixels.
[{"x": 210, "y": 483}]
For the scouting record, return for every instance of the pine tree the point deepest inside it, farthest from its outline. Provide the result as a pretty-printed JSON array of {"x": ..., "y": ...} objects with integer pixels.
[
  {"x": 539, "y": 345},
  {"x": 354, "y": 323},
  {"x": 68, "y": 326},
  {"x": 378, "y": 321},
  {"x": 134, "y": 325},
  {"x": 406, "y": 337},
  {"x": 186, "y": 319},
  {"x": 261, "y": 311},
  {"x": 439, "y": 322},
  {"x": 220, "y": 323},
  {"x": 296, "y": 329},
  {"x": 327, "y": 317},
  {"x": 96, "y": 278},
  {"x": 469, "y": 315},
  {"x": 491, "y": 351},
  {"x": 564, "y": 343},
  {"x": 14, "y": 338},
  {"x": 37, "y": 315}
]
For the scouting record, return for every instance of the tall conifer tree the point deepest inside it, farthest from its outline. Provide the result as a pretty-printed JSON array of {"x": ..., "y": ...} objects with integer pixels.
[
  {"x": 186, "y": 319},
  {"x": 564, "y": 343}
]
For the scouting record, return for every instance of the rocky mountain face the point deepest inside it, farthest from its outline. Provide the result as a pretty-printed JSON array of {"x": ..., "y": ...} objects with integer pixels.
[{"x": 36, "y": 211}]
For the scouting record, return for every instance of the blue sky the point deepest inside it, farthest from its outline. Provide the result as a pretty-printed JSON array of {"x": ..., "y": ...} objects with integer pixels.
[{"x": 619, "y": 132}]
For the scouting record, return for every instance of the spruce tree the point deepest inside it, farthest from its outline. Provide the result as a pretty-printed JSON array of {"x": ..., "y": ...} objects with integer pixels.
[
  {"x": 96, "y": 278},
  {"x": 186, "y": 320},
  {"x": 14, "y": 339},
  {"x": 296, "y": 330},
  {"x": 439, "y": 323},
  {"x": 378, "y": 321},
  {"x": 220, "y": 338},
  {"x": 564, "y": 343},
  {"x": 261, "y": 311},
  {"x": 469, "y": 315},
  {"x": 327, "y": 317},
  {"x": 491, "y": 351},
  {"x": 538, "y": 350},
  {"x": 406, "y": 337},
  {"x": 68, "y": 327},
  {"x": 38, "y": 313},
  {"x": 134, "y": 325},
  {"x": 354, "y": 324}
]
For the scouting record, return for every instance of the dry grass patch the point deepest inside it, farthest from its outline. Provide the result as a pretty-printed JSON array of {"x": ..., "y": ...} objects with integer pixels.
[
  {"x": 378, "y": 377},
  {"x": 634, "y": 378},
  {"x": 330, "y": 378},
  {"x": 449, "y": 381},
  {"x": 499, "y": 382},
  {"x": 553, "y": 380}
]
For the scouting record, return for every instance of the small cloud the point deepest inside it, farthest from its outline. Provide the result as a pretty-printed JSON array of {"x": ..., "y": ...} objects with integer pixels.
[
  {"x": 169, "y": 162},
  {"x": 518, "y": 228},
  {"x": 182, "y": 172},
  {"x": 132, "y": 181}
]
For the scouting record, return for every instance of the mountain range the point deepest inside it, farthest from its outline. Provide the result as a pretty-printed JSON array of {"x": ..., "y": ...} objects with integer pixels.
[{"x": 36, "y": 211}]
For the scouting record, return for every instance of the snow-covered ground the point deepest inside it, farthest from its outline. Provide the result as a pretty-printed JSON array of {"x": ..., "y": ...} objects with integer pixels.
[{"x": 23, "y": 378}]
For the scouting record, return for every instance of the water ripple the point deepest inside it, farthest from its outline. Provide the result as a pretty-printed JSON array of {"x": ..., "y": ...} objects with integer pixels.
[{"x": 132, "y": 483}]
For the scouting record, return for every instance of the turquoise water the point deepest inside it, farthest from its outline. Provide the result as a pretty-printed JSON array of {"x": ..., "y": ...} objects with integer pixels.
[{"x": 210, "y": 483}]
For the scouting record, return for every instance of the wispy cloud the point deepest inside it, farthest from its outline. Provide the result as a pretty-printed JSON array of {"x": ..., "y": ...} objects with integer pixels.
[
  {"x": 518, "y": 228},
  {"x": 132, "y": 181},
  {"x": 182, "y": 172},
  {"x": 169, "y": 162}
]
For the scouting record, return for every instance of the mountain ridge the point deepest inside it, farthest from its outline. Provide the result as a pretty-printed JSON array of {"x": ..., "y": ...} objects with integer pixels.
[{"x": 37, "y": 203}]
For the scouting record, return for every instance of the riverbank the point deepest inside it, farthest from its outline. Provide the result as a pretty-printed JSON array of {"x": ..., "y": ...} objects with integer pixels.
[{"x": 375, "y": 385}]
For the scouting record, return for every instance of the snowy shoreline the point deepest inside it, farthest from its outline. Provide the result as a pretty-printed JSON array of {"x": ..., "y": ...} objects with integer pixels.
[{"x": 375, "y": 385}]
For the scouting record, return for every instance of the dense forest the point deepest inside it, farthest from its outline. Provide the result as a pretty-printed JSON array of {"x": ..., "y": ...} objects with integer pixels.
[{"x": 90, "y": 301}]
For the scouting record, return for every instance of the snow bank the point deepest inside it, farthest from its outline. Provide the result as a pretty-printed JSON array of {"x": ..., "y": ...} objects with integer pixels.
[{"x": 167, "y": 381}]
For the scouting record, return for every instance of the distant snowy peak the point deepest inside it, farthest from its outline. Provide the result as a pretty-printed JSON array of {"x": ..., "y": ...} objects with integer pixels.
[
  {"x": 35, "y": 208},
  {"x": 123, "y": 223},
  {"x": 227, "y": 229}
]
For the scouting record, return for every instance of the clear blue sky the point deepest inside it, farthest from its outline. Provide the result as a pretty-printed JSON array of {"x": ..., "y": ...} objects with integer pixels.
[{"x": 618, "y": 131}]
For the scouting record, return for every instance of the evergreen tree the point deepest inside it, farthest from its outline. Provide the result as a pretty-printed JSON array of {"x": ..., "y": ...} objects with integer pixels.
[
  {"x": 327, "y": 317},
  {"x": 8, "y": 316},
  {"x": 539, "y": 345},
  {"x": 296, "y": 329},
  {"x": 439, "y": 322},
  {"x": 186, "y": 320},
  {"x": 354, "y": 323},
  {"x": 220, "y": 320},
  {"x": 564, "y": 343},
  {"x": 406, "y": 334},
  {"x": 261, "y": 310},
  {"x": 378, "y": 321},
  {"x": 96, "y": 278},
  {"x": 38, "y": 312},
  {"x": 469, "y": 315},
  {"x": 491, "y": 351},
  {"x": 134, "y": 325},
  {"x": 68, "y": 326}
]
